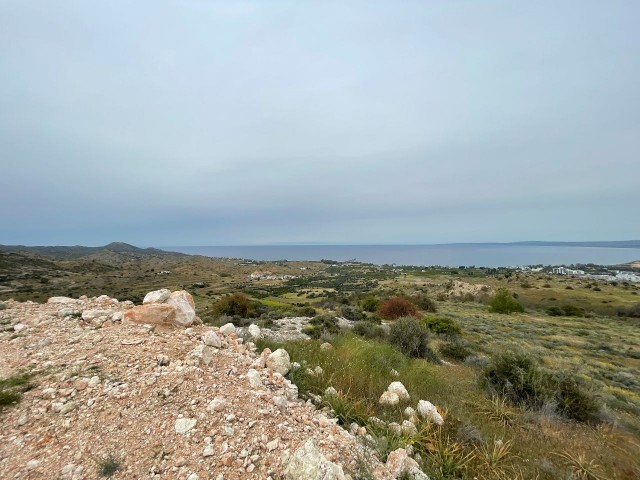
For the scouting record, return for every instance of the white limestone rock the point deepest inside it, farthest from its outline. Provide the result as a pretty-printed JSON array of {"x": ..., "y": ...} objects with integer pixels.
[
  {"x": 389, "y": 399},
  {"x": 399, "y": 389},
  {"x": 279, "y": 361},
  {"x": 227, "y": 329},
  {"x": 185, "y": 307},
  {"x": 401, "y": 465},
  {"x": 254, "y": 379},
  {"x": 254, "y": 331},
  {"x": 309, "y": 463},
  {"x": 184, "y": 425},
  {"x": 157, "y": 296},
  {"x": 428, "y": 411},
  {"x": 212, "y": 339}
]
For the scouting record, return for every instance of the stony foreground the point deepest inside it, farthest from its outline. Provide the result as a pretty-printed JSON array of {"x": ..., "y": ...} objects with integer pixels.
[{"x": 161, "y": 401}]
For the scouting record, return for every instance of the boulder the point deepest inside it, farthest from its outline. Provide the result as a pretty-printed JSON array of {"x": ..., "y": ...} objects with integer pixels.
[
  {"x": 279, "y": 361},
  {"x": 152, "y": 314},
  {"x": 401, "y": 465},
  {"x": 308, "y": 463},
  {"x": 428, "y": 411},
  {"x": 399, "y": 389},
  {"x": 254, "y": 331},
  {"x": 389, "y": 399},
  {"x": 185, "y": 307},
  {"x": 227, "y": 329},
  {"x": 157, "y": 296}
]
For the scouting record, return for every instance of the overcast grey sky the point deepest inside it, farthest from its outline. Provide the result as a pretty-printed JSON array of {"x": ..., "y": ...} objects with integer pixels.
[{"x": 197, "y": 122}]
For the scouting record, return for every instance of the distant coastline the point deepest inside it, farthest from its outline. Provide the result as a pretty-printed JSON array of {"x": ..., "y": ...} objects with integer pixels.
[{"x": 451, "y": 255}]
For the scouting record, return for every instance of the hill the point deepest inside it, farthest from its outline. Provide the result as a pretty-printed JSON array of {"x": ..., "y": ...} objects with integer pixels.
[{"x": 78, "y": 251}]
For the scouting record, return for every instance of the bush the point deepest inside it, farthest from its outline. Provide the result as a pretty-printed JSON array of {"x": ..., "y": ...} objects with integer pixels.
[
  {"x": 455, "y": 350},
  {"x": 321, "y": 325},
  {"x": 397, "y": 307},
  {"x": 369, "y": 304},
  {"x": 373, "y": 318},
  {"x": 424, "y": 303},
  {"x": 521, "y": 381},
  {"x": 566, "y": 310},
  {"x": 369, "y": 330},
  {"x": 503, "y": 302},
  {"x": 235, "y": 304},
  {"x": 516, "y": 377},
  {"x": 443, "y": 326},
  {"x": 630, "y": 312},
  {"x": 352, "y": 314},
  {"x": 411, "y": 337},
  {"x": 574, "y": 400},
  {"x": 307, "y": 311}
]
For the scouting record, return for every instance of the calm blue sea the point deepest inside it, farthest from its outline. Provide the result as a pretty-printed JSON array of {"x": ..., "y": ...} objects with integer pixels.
[{"x": 480, "y": 255}]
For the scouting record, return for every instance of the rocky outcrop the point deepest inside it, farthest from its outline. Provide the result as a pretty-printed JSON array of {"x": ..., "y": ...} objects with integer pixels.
[{"x": 162, "y": 307}]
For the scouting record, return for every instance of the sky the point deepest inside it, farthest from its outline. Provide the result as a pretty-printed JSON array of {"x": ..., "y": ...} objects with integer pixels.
[{"x": 196, "y": 122}]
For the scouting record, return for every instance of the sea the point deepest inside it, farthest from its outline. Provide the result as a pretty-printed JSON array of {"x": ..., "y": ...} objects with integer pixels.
[{"x": 450, "y": 255}]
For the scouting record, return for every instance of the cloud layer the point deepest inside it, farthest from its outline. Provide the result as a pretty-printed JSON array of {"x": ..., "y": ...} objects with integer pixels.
[{"x": 203, "y": 123}]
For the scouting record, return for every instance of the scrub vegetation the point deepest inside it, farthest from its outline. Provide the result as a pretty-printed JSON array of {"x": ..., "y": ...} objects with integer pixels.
[{"x": 536, "y": 375}]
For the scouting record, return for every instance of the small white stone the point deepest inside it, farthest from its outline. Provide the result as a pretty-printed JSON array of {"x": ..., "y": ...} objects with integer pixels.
[
  {"x": 254, "y": 379},
  {"x": 211, "y": 339},
  {"x": 216, "y": 405},
  {"x": 183, "y": 425},
  {"x": 389, "y": 399},
  {"x": 208, "y": 450}
]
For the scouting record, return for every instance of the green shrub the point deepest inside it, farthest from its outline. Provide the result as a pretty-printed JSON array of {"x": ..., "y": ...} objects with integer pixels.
[
  {"x": 443, "y": 326},
  {"x": 373, "y": 318},
  {"x": 574, "y": 400},
  {"x": 517, "y": 377},
  {"x": 235, "y": 304},
  {"x": 12, "y": 388},
  {"x": 307, "y": 311},
  {"x": 503, "y": 302},
  {"x": 369, "y": 304},
  {"x": 630, "y": 312},
  {"x": 369, "y": 330},
  {"x": 455, "y": 350},
  {"x": 411, "y": 337},
  {"x": 566, "y": 310},
  {"x": 352, "y": 314},
  {"x": 321, "y": 325},
  {"x": 555, "y": 311},
  {"x": 425, "y": 303},
  {"x": 108, "y": 466},
  {"x": 347, "y": 410},
  {"x": 397, "y": 307},
  {"x": 521, "y": 381}
]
